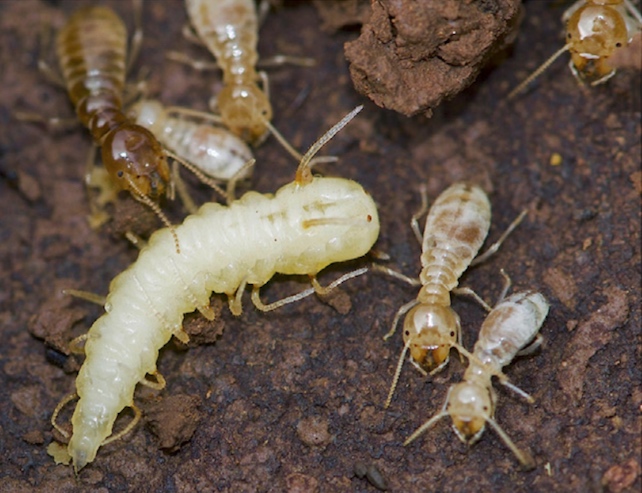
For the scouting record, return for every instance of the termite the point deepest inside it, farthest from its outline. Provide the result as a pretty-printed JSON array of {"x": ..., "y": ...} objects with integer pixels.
[
  {"x": 306, "y": 226},
  {"x": 91, "y": 50},
  {"x": 229, "y": 30},
  {"x": 456, "y": 227},
  {"x": 509, "y": 329},
  {"x": 595, "y": 29}
]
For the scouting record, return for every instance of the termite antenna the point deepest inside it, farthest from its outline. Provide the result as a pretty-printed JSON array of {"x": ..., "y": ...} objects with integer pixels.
[
  {"x": 537, "y": 72},
  {"x": 395, "y": 379},
  {"x": 304, "y": 171},
  {"x": 198, "y": 173},
  {"x": 523, "y": 457},
  {"x": 426, "y": 426},
  {"x": 153, "y": 206}
]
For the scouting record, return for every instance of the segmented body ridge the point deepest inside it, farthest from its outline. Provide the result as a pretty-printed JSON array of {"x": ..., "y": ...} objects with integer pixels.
[
  {"x": 222, "y": 248},
  {"x": 455, "y": 230}
]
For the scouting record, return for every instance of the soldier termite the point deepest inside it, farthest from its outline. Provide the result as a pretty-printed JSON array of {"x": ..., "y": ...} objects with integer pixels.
[
  {"x": 307, "y": 225},
  {"x": 456, "y": 227},
  {"x": 595, "y": 29},
  {"x": 509, "y": 329}
]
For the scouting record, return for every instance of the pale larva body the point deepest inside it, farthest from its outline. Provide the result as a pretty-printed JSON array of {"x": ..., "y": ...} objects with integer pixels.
[
  {"x": 229, "y": 29},
  {"x": 510, "y": 326},
  {"x": 212, "y": 149},
  {"x": 300, "y": 230}
]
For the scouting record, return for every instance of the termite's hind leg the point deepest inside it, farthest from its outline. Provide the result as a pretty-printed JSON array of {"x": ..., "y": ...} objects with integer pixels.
[
  {"x": 127, "y": 428},
  {"x": 414, "y": 221},
  {"x": 495, "y": 246},
  {"x": 65, "y": 400}
]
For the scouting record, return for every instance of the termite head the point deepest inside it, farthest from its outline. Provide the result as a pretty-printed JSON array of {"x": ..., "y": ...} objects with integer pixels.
[
  {"x": 593, "y": 33},
  {"x": 429, "y": 331},
  {"x": 470, "y": 406},
  {"x": 136, "y": 161},
  {"x": 244, "y": 109}
]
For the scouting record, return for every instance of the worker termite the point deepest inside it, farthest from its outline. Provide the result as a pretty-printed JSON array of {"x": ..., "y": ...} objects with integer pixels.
[
  {"x": 509, "y": 330},
  {"x": 212, "y": 149},
  {"x": 306, "y": 226},
  {"x": 456, "y": 227},
  {"x": 229, "y": 30},
  {"x": 595, "y": 29}
]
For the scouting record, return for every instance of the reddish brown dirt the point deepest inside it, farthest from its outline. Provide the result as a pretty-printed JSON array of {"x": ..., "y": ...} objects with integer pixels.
[
  {"x": 411, "y": 55},
  {"x": 293, "y": 400}
]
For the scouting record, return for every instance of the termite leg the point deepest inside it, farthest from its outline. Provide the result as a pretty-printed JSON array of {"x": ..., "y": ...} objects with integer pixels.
[
  {"x": 397, "y": 275},
  {"x": 400, "y": 313},
  {"x": 127, "y": 428},
  {"x": 414, "y": 221},
  {"x": 86, "y": 295},
  {"x": 65, "y": 400},
  {"x": 495, "y": 246},
  {"x": 158, "y": 384},
  {"x": 524, "y": 457},
  {"x": 469, "y": 292},
  {"x": 199, "y": 65},
  {"x": 230, "y": 190},
  {"x": 532, "y": 347},
  {"x": 137, "y": 37}
]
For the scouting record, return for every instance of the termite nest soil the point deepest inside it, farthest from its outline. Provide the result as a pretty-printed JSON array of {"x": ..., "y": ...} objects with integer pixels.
[{"x": 293, "y": 400}]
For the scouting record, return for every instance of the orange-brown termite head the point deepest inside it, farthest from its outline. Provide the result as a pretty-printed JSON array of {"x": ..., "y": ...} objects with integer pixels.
[
  {"x": 429, "y": 331},
  {"x": 593, "y": 33},
  {"x": 470, "y": 406},
  {"x": 245, "y": 108},
  {"x": 136, "y": 161}
]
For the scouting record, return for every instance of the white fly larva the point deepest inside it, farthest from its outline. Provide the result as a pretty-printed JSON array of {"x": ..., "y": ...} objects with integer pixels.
[
  {"x": 595, "y": 29},
  {"x": 307, "y": 225},
  {"x": 507, "y": 331},
  {"x": 213, "y": 149},
  {"x": 456, "y": 227}
]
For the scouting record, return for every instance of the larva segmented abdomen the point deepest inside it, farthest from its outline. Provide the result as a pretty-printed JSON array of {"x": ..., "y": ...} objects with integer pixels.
[
  {"x": 509, "y": 327},
  {"x": 214, "y": 150},
  {"x": 456, "y": 228},
  {"x": 229, "y": 30},
  {"x": 91, "y": 49},
  {"x": 221, "y": 247}
]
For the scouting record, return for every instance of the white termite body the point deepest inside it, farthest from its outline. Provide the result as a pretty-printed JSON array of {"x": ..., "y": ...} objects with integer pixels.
[
  {"x": 307, "y": 225},
  {"x": 510, "y": 326},
  {"x": 211, "y": 148}
]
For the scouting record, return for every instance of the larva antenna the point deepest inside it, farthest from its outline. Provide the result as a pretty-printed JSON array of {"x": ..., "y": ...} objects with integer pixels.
[
  {"x": 395, "y": 379},
  {"x": 523, "y": 457},
  {"x": 304, "y": 172},
  {"x": 537, "y": 72},
  {"x": 428, "y": 424}
]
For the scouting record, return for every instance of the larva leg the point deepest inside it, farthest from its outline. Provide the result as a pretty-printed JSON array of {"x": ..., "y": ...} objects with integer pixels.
[
  {"x": 127, "y": 428},
  {"x": 236, "y": 177},
  {"x": 77, "y": 344},
  {"x": 65, "y": 400},
  {"x": 158, "y": 384},
  {"x": 400, "y": 313},
  {"x": 325, "y": 290},
  {"x": 87, "y": 296},
  {"x": 495, "y": 246},
  {"x": 256, "y": 299},
  {"x": 397, "y": 275},
  {"x": 469, "y": 292},
  {"x": 135, "y": 240},
  {"x": 235, "y": 302}
]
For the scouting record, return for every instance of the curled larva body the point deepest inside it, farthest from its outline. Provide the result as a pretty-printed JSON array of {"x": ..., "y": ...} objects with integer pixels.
[
  {"x": 212, "y": 149},
  {"x": 509, "y": 328},
  {"x": 92, "y": 49},
  {"x": 300, "y": 230},
  {"x": 229, "y": 29}
]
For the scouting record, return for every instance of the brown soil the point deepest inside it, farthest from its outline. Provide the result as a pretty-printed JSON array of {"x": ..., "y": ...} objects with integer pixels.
[{"x": 293, "y": 400}]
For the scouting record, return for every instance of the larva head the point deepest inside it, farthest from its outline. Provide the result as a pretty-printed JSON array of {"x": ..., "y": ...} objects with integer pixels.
[
  {"x": 136, "y": 161},
  {"x": 469, "y": 407},
  {"x": 430, "y": 331},
  {"x": 593, "y": 33},
  {"x": 244, "y": 109}
]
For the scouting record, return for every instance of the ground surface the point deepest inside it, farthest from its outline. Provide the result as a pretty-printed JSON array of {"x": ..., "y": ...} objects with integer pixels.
[{"x": 292, "y": 400}]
